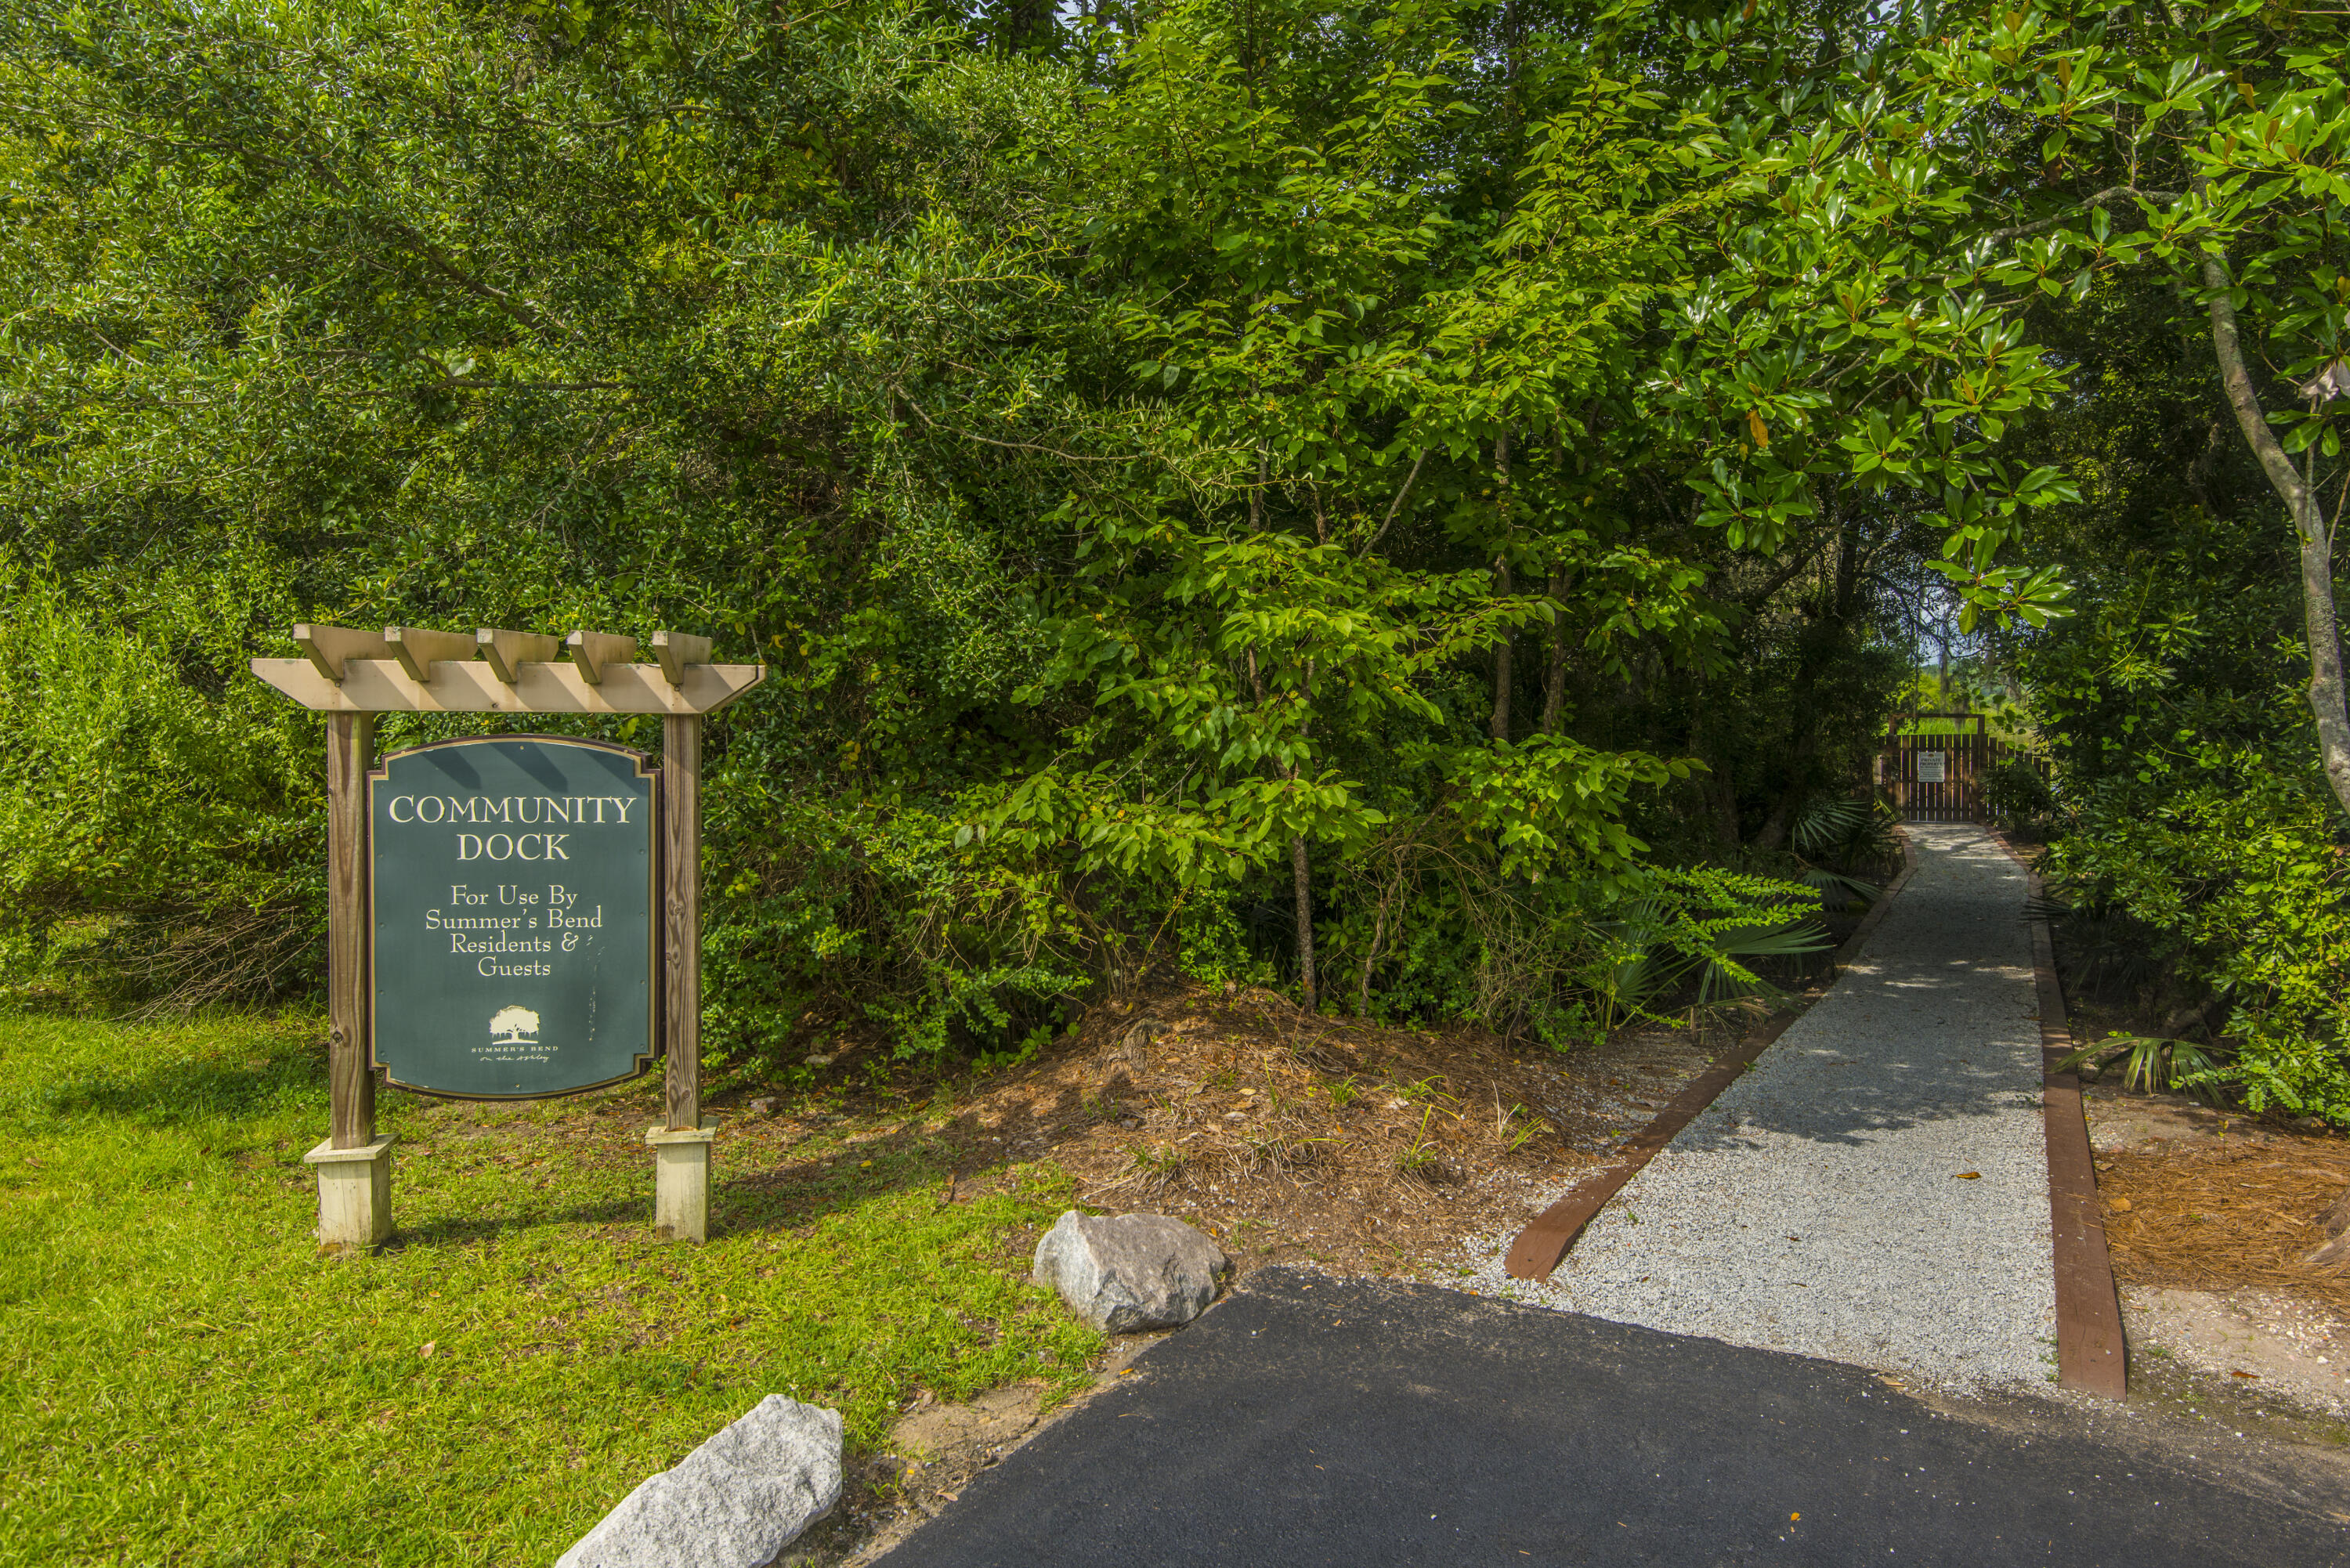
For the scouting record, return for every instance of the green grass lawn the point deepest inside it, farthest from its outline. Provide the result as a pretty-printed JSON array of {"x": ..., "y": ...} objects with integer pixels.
[{"x": 187, "y": 1381}]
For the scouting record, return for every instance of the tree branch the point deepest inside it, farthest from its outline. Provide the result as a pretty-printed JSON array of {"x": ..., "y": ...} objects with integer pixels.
[
  {"x": 2329, "y": 700},
  {"x": 2113, "y": 196},
  {"x": 1397, "y": 509},
  {"x": 1006, "y": 445}
]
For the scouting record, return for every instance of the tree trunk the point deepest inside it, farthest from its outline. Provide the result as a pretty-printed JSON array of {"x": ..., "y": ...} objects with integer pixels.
[
  {"x": 1371, "y": 954},
  {"x": 1847, "y": 567},
  {"x": 2328, "y": 702},
  {"x": 1791, "y": 799},
  {"x": 1301, "y": 875},
  {"x": 1818, "y": 649},
  {"x": 1723, "y": 795},
  {"x": 1555, "y": 677},
  {"x": 1502, "y": 650},
  {"x": 1500, "y": 727}
]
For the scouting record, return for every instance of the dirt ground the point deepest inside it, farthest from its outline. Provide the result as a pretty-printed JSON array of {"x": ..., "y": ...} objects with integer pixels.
[{"x": 1296, "y": 1138}]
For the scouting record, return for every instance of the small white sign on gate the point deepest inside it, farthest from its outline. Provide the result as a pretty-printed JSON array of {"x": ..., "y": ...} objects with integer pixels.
[{"x": 1930, "y": 767}]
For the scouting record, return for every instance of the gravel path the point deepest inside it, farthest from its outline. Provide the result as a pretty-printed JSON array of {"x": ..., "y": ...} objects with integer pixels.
[{"x": 1819, "y": 1206}]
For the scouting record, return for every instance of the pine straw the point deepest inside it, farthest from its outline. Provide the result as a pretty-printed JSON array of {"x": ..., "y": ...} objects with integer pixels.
[
  {"x": 2226, "y": 1219},
  {"x": 1289, "y": 1136}
]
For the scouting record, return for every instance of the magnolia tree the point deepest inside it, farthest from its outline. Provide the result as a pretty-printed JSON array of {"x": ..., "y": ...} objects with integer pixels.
[{"x": 1953, "y": 179}]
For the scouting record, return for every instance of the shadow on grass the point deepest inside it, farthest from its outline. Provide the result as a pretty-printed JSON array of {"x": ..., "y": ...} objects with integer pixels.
[
  {"x": 458, "y": 1229},
  {"x": 272, "y": 1077},
  {"x": 258, "y": 1075},
  {"x": 800, "y": 1191}
]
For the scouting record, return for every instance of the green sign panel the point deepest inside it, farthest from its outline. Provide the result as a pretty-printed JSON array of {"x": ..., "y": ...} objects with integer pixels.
[{"x": 512, "y": 881}]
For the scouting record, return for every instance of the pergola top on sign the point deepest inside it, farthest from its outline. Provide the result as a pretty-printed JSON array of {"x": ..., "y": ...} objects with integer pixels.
[{"x": 408, "y": 669}]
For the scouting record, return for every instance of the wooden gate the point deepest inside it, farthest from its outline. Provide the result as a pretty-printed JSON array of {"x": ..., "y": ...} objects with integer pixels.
[{"x": 1933, "y": 765}]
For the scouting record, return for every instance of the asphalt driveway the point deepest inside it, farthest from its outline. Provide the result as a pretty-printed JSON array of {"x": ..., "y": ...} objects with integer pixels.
[{"x": 1313, "y": 1421}]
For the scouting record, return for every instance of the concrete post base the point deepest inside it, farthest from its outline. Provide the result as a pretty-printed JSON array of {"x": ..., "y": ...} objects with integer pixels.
[
  {"x": 681, "y": 1181},
  {"x": 354, "y": 1195}
]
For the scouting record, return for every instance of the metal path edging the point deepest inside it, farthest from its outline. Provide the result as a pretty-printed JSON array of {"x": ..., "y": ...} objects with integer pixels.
[{"x": 2092, "y": 1353}]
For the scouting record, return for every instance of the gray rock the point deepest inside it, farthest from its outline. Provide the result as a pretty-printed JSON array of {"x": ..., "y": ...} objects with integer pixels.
[
  {"x": 733, "y": 1503},
  {"x": 1133, "y": 1272}
]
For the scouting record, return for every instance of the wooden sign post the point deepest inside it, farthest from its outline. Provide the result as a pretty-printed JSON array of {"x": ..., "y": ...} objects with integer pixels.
[{"x": 554, "y": 978}]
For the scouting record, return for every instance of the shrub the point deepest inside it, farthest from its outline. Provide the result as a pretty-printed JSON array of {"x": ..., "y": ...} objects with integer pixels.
[
  {"x": 2245, "y": 878},
  {"x": 1212, "y": 946},
  {"x": 872, "y": 906},
  {"x": 1558, "y": 961},
  {"x": 157, "y": 830},
  {"x": 2017, "y": 796}
]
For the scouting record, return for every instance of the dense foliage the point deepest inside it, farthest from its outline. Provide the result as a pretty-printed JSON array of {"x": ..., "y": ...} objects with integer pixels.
[
  {"x": 2196, "y": 844},
  {"x": 1419, "y": 501}
]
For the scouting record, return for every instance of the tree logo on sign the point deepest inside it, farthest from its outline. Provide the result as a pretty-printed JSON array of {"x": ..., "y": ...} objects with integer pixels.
[{"x": 514, "y": 1026}]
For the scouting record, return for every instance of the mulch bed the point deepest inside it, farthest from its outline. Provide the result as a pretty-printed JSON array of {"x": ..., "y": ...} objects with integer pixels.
[
  {"x": 1297, "y": 1138},
  {"x": 2222, "y": 1219}
]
